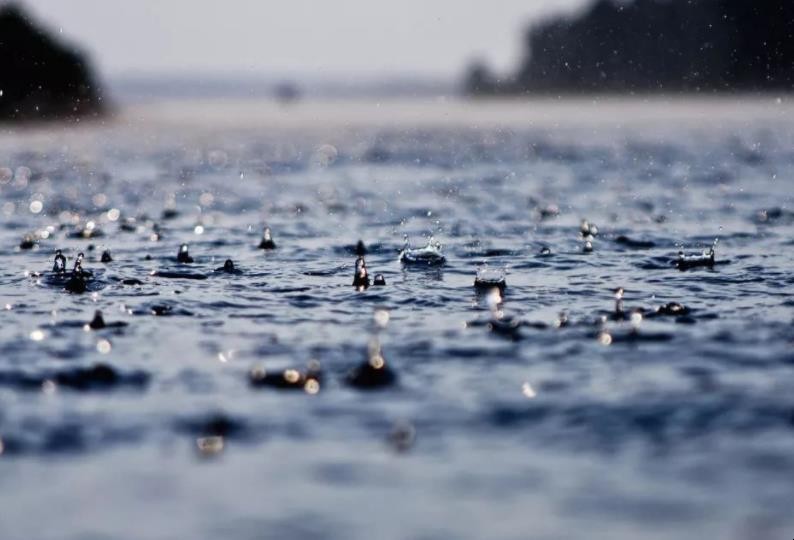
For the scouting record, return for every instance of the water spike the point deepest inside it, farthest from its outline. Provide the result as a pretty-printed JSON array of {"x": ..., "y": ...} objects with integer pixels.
[
  {"x": 60, "y": 262},
  {"x": 619, "y": 301},
  {"x": 97, "y": 322},
  {"x": 267, "y": 239},
  {"x": 78, "y": 264},
  {"x": 77, "y": 280},
  {"x": 361, "y": 277},
  {"x": 361, "y": 249},
  {"x": 183, "y": 256}
]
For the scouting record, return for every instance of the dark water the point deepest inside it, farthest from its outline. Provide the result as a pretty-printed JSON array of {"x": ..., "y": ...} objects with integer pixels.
[{"x": 500, "y": 423}]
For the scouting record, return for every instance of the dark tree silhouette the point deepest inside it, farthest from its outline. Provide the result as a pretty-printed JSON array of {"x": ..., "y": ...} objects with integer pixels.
[
  {"x": 41, "y": 79},
  {"x": 661, "y": 45}
]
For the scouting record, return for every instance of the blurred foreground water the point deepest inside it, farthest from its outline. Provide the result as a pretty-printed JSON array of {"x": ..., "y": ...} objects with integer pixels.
[{"x": 513, "y": 415}]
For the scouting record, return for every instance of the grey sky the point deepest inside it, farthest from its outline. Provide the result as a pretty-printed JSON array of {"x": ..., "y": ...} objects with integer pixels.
[{"x": 425, "y": 37}]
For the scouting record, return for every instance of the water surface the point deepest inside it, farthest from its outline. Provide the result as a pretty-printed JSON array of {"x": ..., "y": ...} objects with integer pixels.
[{"x": 668, "y": 427}]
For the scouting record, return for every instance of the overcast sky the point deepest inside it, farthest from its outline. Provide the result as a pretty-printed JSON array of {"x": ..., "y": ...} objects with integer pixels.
[{"x": 318, "y": 37}]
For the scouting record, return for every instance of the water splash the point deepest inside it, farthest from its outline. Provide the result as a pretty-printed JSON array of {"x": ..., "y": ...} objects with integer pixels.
[{"x": 429, "y": 255}]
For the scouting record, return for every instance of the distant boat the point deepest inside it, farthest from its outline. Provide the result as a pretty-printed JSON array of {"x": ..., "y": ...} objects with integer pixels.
[{"x": 287, "y": 92}]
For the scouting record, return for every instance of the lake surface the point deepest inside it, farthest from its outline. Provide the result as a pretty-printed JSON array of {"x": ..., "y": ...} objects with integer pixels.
[{"x": 506, "y": 419}]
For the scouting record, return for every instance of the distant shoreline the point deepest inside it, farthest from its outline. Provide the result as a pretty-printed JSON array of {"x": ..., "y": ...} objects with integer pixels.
[
  {"x": 512, "y": 112},
  {"x": 334, "y": 117}
]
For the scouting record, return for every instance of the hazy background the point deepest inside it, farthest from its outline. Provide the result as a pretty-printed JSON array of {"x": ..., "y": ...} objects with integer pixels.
[{"x": 298, "y": 38}]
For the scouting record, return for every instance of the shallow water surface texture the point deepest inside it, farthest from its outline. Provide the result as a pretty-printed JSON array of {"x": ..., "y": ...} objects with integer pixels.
[{"x": 278, "y": 401}]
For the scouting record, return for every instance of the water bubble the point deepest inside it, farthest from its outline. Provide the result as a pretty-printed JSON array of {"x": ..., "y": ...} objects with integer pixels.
[
  {"x": 6, "y": 175},
  {"x": 37, "y": 335},
  {"x": 528, "y": 391},
  {"x": 99, "y": 200},
  {"x": 325, "y": 155},
  {"x": 291, "y": 375},
  {"x": 217, "y": 158},
  {"x": 377, "y": 362},
  {"x": 199, "y": 229},
  {"x": 114, "y": 214},
  {"x": 21, "y": 177},
  {"x": 312, "y": 386},
  {"x": 36, "y": 207},
  {"x": 206, "y": 199}
]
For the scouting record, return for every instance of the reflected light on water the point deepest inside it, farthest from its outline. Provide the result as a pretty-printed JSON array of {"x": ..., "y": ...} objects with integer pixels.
[
  {"x": 103, "y": 346},
  {"x": 37, "y": 335},
  {"x": 528, "y": 391},
  {"x": 636, "y": 320},
  {"x": 49, "y": 387},
  {"x": 381, "y": 317},
  {"x": 377, "y": 362},
  {"x": 258, "y": 373},
  {"x": 226, "y": 356},
  {"x": 210, "y": 446},
  {"x": 312, "y": 386},
  {"x": 493, "y": 299}
]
